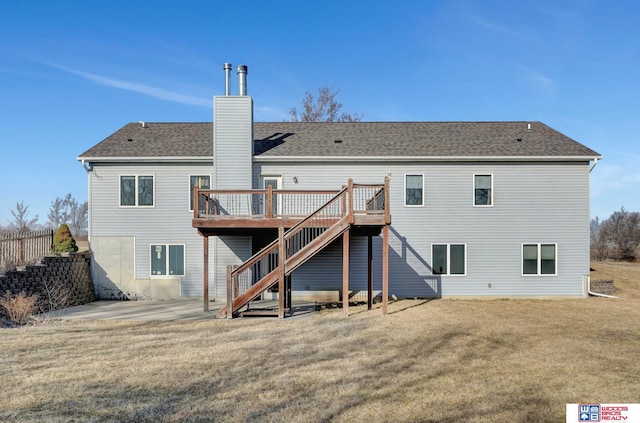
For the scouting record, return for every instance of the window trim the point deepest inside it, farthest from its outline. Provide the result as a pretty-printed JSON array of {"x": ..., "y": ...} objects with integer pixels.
[
  {"x": 539, "y": 259},
  {"x": 449, "y": 244},
  {"x": 422, "y": 187},
  {"x": 167, "y": 275},
  {"x": 136, "y": 190},
  {"x": 190, "y": 192},
  {"x": 473, "y": 197}
]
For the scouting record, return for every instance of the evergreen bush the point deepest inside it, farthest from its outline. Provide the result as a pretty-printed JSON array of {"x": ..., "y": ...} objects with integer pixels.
[{"x": 63, "y": 241}]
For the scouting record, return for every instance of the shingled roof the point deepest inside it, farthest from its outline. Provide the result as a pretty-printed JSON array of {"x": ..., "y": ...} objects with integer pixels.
[{"x": 347, "y": 139}]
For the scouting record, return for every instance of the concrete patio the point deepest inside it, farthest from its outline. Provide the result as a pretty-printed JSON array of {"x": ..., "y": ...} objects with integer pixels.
[{"x": 163, "y": 310}]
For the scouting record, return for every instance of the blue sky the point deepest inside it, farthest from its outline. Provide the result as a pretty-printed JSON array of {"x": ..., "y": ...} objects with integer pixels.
[{"x": 73, "y": 72}]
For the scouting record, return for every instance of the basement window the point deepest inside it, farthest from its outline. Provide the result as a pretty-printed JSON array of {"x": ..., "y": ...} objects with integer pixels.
[
  {"x": 449, "y": 259},
  {"x": 167, "y": 260}
]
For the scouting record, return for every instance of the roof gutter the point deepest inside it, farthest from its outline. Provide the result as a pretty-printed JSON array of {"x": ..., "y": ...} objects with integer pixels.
[
  {"x": 86, "y": 165},
  {"x": 151, "y": 159},
  {"x": 350, "y": 159},
  {"x": 387, "y": 159}
]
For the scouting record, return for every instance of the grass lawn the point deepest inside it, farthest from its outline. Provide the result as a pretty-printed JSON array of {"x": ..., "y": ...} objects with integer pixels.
[{"x": 441, "y": 360}]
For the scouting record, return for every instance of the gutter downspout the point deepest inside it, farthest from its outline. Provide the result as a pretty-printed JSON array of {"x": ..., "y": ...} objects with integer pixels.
[
  {"x": 86, "y": 165},
  {"x": 589, "y": 291},
  {"x": 595, "y": 294},
  {"x": 88, "y": 168}
]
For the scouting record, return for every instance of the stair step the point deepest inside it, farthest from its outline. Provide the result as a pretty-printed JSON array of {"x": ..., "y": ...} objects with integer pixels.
[{"x": 264, "y": 312}]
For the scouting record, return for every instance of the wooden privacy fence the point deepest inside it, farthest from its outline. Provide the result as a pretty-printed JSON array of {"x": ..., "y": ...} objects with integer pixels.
[{"x": 18, "y": 248}]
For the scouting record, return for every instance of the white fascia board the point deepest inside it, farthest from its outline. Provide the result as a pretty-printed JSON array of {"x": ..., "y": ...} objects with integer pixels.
[
  {"x": 153, "y": 159},
  {"x": 387, "y": 159}
]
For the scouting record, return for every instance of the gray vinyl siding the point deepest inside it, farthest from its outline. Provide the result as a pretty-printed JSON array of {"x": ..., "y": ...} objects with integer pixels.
[
  {"x": 533, "y": 203},
  {"x": 167, "y": 222},
  {"x": 229, "y": 250},
  {"x": 324, "y": 271},
  {"x": 233, "y": 142}
]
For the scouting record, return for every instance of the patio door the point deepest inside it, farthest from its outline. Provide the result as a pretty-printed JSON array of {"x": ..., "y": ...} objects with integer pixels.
[{"x": 275, "y": 182}]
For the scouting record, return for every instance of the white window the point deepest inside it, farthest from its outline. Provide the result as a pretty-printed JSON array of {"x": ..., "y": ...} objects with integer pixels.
[
  {"x": 202, "y": 182},
  {"x": 136, "y": 191},
  {"x": 449, "y": 259},
  {"x": 483, "y": 190},
  {"x": 167, "y": 260},
  {"x": 414, "y": 190},
  {"x": 539, "y": 259}
]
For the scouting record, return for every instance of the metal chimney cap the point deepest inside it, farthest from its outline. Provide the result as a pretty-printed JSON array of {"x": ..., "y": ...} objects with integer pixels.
[
  {"x": 243, "y": 69},
  {"x": 227, "y": 66}
]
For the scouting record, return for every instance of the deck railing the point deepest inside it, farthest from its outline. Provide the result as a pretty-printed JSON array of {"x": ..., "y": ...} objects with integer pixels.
[
  {"x": 368, "y": 199},
  {"x": 267, "y": 203},
  {"x": 297, "y": 237},
  {"x": 271, "y": 203}
]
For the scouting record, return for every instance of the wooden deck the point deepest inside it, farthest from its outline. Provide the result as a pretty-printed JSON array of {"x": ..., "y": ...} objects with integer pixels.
[
  {"x": 240, "y": 212},
  {"x": 306, "y": 222}
]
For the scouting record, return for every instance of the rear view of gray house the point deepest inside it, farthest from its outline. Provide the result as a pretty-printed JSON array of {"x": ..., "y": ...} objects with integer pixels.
[{"x": 428, "y": 209}]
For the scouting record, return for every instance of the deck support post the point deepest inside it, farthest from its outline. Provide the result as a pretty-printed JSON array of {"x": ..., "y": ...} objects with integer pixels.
[
  {"x": 205, "y": 288},
  {"x": 370, "y": 273},
  {"x": 385, "y": 269},
  {"x": 229, "y": 292},
  {"x": 345, "y": 273},
  {"x": 281, "y": 282}
]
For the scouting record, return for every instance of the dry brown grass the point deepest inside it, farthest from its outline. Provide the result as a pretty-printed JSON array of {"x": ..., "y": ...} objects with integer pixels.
[{"x": 443, "y": 360}]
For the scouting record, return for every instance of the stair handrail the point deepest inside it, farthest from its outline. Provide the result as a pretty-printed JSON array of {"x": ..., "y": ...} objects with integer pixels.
[
  {"x": 346, "y": 215},
  {"x": 253, "y": 259},
  {"x": 234, "y": 275}
]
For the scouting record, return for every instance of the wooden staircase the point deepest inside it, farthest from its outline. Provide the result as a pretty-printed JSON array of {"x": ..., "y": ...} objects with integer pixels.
[{"x": 297, "y": 245}]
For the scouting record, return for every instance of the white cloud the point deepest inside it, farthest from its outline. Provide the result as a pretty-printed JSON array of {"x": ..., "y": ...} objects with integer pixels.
[
  {"x": 495, "y": 27},
  {"x": 137, "y": 87},
  {"x": 537, "y": 79}
]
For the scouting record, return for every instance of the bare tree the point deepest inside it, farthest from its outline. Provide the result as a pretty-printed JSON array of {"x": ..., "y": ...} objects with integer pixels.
[
  {"x": 58, "y": 212},
  {"x": 323, "y": 108},
  {"x": 79, "y": 218},
  {"x": 598, "y": 245},
  {"x": 68, "y": 210},
  {"x": 21, "y": 221},
  {"x": 620, "y": 235}
]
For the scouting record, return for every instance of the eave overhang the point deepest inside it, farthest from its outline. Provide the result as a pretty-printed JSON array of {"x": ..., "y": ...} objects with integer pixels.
[
  {"x": 338, "y": 159},
  {"x": 387, "y": 159},
  {"x": 147, "y": 159}
]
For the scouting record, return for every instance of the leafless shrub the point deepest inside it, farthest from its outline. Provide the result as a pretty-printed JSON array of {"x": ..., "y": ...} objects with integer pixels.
[
  {"x": 57, "y": 296},
  {"x": 19, "y": 308},
  {"x": 7, "y": 261}
]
